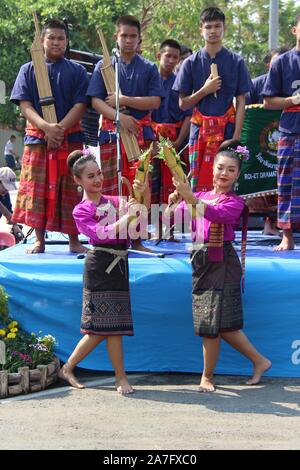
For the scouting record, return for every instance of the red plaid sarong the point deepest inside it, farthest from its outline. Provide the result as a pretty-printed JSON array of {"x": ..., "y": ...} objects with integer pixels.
[
  {"x": 203, "y": 152},
  {"x": 32, "y": 201},
  {"x": 108, "y": 157},
  {"x": 164, "y": 186},
  {"x": 56, "y": 164}
]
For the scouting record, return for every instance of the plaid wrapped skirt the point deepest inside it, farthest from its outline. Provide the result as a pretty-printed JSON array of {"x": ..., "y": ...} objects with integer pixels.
[
  {"x": 109, "y": 168},
  {"x": 31, "y": 203},
  {"x": 289, "y": 181}
]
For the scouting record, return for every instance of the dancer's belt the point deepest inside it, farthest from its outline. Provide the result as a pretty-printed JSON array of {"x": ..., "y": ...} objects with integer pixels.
[
  {"x": 203, "y": 247},
  {"x": 119, "y": 255}
]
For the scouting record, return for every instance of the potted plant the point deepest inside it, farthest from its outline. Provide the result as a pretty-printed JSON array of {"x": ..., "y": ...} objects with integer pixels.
[{"x": 27, "y": 361}]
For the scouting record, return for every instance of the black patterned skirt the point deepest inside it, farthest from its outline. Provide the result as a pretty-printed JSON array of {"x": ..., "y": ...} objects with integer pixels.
[
  {"x": 106, "y": 306},
  {"x": 217, "y": 302}
]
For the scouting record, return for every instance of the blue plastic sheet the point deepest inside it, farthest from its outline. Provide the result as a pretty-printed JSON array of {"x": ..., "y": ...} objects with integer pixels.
[{"x": 46, "y": 294}]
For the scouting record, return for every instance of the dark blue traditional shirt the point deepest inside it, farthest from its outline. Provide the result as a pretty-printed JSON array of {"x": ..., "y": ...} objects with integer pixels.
[
  {"x": 138, "y": 78},
  {"x": 284, "y": 80},
  {"x": 169, "y": 110},
  {"x": 194, "y": 72},
  {"x": 69, "y": 82}
]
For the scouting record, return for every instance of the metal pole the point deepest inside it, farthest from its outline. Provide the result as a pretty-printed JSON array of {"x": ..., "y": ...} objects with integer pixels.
[
  {"x": 2, "y": 92},
  {"x": 117, "y": 56},
  {"x": 273, "y": 24}
]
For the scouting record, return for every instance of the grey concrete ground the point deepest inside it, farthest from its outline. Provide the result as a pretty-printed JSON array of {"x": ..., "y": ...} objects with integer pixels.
[{"x": 166, "y": 412}]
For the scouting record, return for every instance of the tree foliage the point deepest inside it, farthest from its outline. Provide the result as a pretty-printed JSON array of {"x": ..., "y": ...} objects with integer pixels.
[
  {"x": 247, "y": 28},
  {"x": 246, "y": 22}
]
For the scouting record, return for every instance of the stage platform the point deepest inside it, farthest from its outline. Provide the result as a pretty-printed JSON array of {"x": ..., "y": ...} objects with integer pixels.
[{"x": 46, "y": 293}]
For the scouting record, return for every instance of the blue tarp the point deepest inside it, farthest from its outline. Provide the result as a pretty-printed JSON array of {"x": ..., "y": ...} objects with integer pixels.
[{"x": 46, "y": 294}]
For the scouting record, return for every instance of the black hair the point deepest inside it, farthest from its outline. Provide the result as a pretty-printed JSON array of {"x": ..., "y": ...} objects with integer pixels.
[
  {"x": 276, "y": 51},
  {"x": 185, "y": 50},
  {"x": 170, "y": 43},
  {"x": 227, "y": 149},
  {"x": 212, "y": 14},
  {"x": 53, "y": 24},
  {"x": 13, "y": 137},
  {"x": 77, "y": 160},
  {"x": 128, "y": 20}
]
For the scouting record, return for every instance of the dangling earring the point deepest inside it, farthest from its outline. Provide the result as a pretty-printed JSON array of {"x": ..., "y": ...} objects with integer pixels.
[
  {"x": 79, "y": 189},
  {"x": 235, "y": 185}
]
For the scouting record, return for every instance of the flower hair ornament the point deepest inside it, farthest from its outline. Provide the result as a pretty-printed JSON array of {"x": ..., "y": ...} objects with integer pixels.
[
  {"x": 87, "y": 153},
  {"x": 241, "y": 152}
]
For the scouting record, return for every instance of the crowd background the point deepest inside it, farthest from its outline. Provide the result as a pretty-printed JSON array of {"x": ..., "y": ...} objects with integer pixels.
[{"x": 247, "y": 30}]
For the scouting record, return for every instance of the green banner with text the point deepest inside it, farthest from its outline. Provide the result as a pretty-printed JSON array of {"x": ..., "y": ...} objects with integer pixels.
[{"x": 260, "y": 134}]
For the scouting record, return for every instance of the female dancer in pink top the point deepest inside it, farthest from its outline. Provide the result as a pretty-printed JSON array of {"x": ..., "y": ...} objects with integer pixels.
[
  {"x": 216, "y": 278},
  {"x": 106, "y": 312}
]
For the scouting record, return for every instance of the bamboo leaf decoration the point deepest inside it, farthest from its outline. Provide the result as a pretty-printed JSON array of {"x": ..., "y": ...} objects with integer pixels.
[
  {"x": 42, "y": 76},
  {"x": 169, "y": 155},
  {"x": 142, "y": 170},
  {"x": 130, "y": 142}
]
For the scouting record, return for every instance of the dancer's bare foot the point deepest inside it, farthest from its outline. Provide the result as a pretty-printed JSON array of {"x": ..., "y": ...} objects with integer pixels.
[
  {"x": 207, "y": 385},
  {"x": 38, "y": 247},
  {"x": 77, "y": 248},
  {"x": 66, "y": 373},
  {"x": 123, "y": 386},
  {"x": 285, "y": 245},
  {"x": 287, "y": 242},
  {"x": 259, "y": 369}
]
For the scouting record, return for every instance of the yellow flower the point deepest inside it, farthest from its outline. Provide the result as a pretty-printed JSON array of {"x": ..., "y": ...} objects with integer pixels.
[
  {"x": 11, "y": 336},
  {"x": 2, "y": 333},
  {"x": 14, "y": 330},
  {"x": 12, "y": 324}
]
